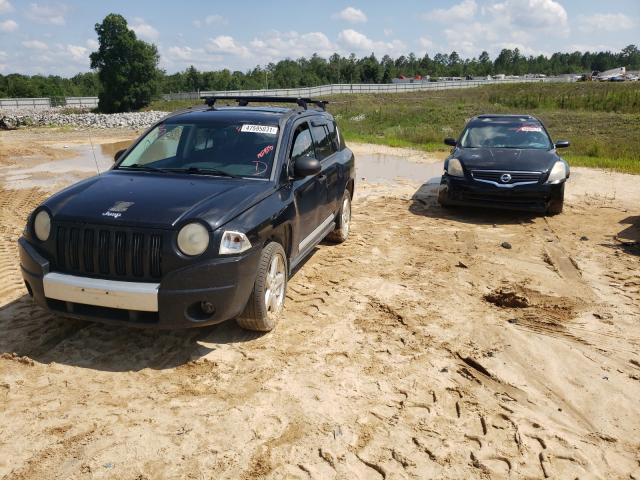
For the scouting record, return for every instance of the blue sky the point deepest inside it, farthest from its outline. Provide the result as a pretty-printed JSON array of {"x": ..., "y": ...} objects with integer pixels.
[{"x": 56, "y": 37}]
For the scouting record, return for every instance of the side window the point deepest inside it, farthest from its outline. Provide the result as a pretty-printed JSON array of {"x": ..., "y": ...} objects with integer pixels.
[
  {"x": 302, "y": 144},
  {"x": 324, "y": 147},
  {"x": 334, "y": 136}
]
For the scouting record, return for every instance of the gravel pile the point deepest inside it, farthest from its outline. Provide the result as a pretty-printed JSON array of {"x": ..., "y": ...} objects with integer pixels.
[{"x": 10, "y": 119}]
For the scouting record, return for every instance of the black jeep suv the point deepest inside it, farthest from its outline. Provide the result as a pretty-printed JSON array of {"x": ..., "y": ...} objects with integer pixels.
[
  {"x": 505, "y": 161},
  {"x": 200, "y": 220}
]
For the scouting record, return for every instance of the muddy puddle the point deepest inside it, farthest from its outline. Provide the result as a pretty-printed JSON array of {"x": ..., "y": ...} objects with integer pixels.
[
  {"x": 380, "y": 168},
  {"x": 85, "y": 160},
  {"x": 38, "y": 172}
]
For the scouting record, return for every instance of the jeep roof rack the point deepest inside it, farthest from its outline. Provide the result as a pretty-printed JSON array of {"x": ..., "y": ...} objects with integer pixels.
[{"x": 243, "y": 101}]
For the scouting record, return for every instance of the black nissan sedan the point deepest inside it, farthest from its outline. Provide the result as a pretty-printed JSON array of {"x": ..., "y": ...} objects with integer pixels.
[
  {"x": 505, "y": 161},
  {"x": 200, "y": 220}
]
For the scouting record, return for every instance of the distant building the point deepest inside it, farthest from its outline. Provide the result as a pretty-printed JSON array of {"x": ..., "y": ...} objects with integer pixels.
[{"x": 416, "y": 79}]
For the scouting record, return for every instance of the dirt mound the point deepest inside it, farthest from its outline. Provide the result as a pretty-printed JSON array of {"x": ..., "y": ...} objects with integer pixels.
[{"x": 507, "y": 299}]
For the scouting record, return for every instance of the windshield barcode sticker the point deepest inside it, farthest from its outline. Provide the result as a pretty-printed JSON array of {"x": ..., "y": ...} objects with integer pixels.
[
  {"x": 269, "y": 130},
  {"x": 529, "y": 129}
]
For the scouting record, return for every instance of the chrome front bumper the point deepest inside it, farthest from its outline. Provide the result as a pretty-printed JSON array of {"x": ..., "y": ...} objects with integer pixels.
[{"x": 104, "y": 293}]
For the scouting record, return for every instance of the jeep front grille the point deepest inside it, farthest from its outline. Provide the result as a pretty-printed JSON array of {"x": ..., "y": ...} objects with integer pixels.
[{"x": 109, "y": 253}]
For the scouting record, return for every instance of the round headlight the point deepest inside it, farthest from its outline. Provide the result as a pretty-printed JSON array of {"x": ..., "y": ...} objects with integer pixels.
[
  {"x": 193, "y": 239},
  {"x": 42, "y": 225}
]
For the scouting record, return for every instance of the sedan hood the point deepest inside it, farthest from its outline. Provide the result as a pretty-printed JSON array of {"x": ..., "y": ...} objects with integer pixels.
[
  {"x": 159, "y": 200},
  {"x": 507, "y": 159}
]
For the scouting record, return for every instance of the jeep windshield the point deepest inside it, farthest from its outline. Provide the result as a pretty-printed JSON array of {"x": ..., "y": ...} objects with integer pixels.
[
  {"x": 216, "y": 149},
  {"x": 522, "y": 135}
]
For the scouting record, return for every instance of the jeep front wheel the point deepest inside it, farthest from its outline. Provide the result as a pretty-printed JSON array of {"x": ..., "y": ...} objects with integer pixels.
[{"x": 267, "y": 298}]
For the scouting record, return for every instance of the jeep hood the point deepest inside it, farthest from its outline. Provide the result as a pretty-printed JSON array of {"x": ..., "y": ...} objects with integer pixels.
[
  {"x": 507, "y": 159},
  {"x": 158, "y": 200}
]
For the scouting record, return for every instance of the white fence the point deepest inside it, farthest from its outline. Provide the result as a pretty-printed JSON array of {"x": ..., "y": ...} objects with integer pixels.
[
  {"x": 319, "y": 91},
  {"x": 45, "y": 103},
  {"x": 337, "y": 89}
]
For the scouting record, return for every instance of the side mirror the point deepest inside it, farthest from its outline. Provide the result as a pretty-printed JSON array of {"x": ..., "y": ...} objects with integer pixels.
[
  {"x": 562, "y": 143},
  {"x": 118, "y": 154},
  {"x": 305, "y": 166},
  {"x": 451, "y": 142}
]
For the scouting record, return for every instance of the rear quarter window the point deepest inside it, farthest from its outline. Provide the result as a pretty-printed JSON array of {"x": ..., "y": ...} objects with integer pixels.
[{"x": 324, "y": 145}]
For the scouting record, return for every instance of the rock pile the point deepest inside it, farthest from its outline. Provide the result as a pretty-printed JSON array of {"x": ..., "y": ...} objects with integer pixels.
[{"x": 10, "y": 119}]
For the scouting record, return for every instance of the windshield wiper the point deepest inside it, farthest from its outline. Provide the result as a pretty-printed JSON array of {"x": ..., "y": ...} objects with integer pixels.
[
  {"x": 146, "y": 168},
  {"x": 204, "y": 171}
]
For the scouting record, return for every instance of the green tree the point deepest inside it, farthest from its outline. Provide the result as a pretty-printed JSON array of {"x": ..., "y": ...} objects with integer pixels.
[{"x": 127, "y": 67}]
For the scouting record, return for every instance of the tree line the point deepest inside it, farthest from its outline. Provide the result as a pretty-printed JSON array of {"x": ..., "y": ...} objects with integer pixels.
[{"x": 131, "y": 84}]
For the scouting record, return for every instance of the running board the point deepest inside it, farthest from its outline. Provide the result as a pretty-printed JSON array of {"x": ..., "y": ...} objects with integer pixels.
[{"x": 319, "y": 236}]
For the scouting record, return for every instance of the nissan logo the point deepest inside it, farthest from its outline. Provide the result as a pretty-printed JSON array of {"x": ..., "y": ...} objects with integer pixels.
[{"x": 505, "y": 178}]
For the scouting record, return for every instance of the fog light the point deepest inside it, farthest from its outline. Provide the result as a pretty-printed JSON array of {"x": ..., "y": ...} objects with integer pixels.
[{"x": 207, "y": 308}]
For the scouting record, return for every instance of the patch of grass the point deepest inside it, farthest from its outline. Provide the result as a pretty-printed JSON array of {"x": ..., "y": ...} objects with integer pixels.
[
  {"x": 599, "y": 138},
  {"x": 602, "y": 120}
]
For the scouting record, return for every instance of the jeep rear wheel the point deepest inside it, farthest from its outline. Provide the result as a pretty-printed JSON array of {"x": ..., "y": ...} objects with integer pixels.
[
  {"x": 343, "y": 220},
  {"x": 266, "y": 302}
]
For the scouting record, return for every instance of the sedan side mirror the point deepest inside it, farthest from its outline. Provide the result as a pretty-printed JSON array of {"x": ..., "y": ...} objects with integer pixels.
[
  {"x": 451, "y": 142},
  {"x": 305, "y": 166},
  {"x": 118, "y": 154},
  {"x": 562, "y": 143}
]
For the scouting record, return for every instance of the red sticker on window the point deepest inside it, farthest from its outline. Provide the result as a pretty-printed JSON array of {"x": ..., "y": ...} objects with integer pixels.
[{"x": 264, "y": 151}]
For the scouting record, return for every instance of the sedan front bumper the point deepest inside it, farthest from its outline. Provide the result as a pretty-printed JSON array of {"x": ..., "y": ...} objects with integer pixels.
[
  {"x": 221, "y": 285},
  {"x": 467, "y": 192}
]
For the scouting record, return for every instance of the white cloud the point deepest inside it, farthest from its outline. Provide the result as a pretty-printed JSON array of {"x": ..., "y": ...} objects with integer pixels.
[
  {"x": 8, "y": 26},
  {"x": 276, "y": 45},
  {"x": 52, "y": 14},
  {"x": 5, "y": 6},
  {"x": 607, "y": 22},
  {"x": 465, "y": 10},
  {"x": 184, "y": 53},
  {"x": 78, "y": 52},
  {"x": 586, "y": 47},
  {"x": 534, "y": 14},
  {"x": 358, "y": 42},
  {"x": 144, "y": 30},
  {"x": 425, "y": 43},
  {"x": 92, "y": 44},
  {"x": 351, "y": 15},
  {"x": 225, "y": 44},
  {"x": 35, "y": 45},
  {"x": 387, "y": 32},
  {"x": 210, "y": 20}
]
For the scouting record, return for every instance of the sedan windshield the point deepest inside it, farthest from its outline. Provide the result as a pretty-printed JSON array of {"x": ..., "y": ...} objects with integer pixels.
[
  {"x": 218, "y": 149},
  {"x": 506, "y": 135}
]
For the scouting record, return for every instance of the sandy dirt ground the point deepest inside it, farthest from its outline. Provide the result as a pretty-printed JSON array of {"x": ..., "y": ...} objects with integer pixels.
[{"x": 420, "y": 348}]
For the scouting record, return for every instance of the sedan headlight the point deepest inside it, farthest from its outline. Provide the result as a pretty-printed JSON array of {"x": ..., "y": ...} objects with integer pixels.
[
  {"x": 454, "y": 168},
  {"x": 193, "y": 239},
  {"x": 42, "y": 225},
  {"x": 234, "y": 242},
  {"x": 558, "y": 173}
]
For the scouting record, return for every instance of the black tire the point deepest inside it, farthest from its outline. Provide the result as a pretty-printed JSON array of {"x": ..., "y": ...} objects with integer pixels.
[
  {"x": 442, "y": 198},
  {"x": 557, "y": 203},
  {"x": 258, "y": 315},
  {"x": 343, "y": 222}
]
